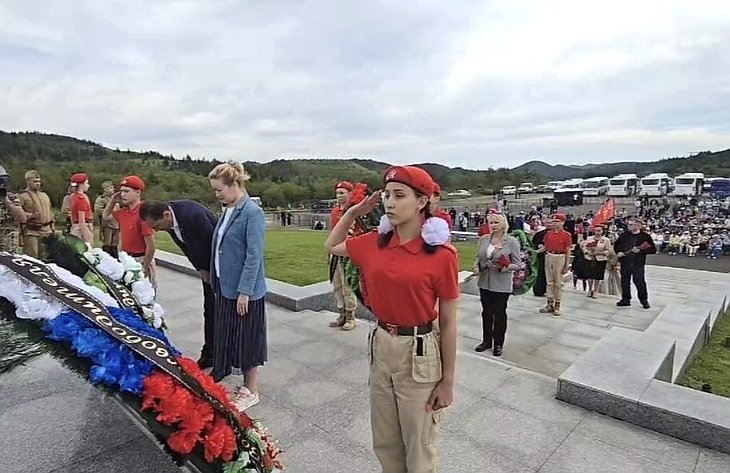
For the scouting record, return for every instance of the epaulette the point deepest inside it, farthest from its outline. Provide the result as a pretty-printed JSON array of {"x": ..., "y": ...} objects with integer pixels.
[{"x": 450, "y": 247}]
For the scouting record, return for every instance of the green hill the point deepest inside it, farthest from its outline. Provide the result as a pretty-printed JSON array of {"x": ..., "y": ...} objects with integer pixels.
[
  {"x": 278, "y": 183},
  {"x": 710, "y": 163}
]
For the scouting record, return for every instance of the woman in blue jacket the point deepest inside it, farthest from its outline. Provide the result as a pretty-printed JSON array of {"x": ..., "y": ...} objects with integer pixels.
[{"x": 240, "y": 286}]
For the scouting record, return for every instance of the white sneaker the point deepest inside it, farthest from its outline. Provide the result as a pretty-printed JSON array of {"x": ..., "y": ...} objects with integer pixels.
[{"x": 245, "y": 399}]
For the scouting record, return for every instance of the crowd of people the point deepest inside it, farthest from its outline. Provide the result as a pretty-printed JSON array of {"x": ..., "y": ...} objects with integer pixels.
[{"x": 408, "y": 275}]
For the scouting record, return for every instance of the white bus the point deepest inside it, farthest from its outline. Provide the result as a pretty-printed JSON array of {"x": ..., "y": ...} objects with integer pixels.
[
  {"x": 689, "y": 184},
  {"x": 595, "y": 186},
  {"x": 623, "y": 185},
  {"x": 655, "y": 185}
]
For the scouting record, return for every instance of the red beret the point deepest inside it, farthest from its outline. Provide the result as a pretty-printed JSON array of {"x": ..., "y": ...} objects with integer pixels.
[
  {"x": 412, "y": 176},
  {"x": 347, "y": 185},
  {"x": 79, "y": 178},
  {"x": 135, "y": 182},
  {"x": 436, "y": 189},
  {"x": 560, "y": 217}
]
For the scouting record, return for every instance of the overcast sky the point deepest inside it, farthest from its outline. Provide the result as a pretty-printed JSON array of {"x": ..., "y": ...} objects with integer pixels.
[{"x": 462, "y": 83}]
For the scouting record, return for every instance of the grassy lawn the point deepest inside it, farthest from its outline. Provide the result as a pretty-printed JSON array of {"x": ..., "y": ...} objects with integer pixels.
[
  {"x": 298, "y": 256},
  {"x": 712, "y": 364}
]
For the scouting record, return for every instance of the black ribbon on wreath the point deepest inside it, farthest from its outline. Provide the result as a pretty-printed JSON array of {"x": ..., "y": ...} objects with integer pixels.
[{"x": 145, "y": 346}]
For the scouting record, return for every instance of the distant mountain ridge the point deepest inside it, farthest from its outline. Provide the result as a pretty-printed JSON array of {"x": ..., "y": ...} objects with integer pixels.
[{"x": 711, "y": 163}]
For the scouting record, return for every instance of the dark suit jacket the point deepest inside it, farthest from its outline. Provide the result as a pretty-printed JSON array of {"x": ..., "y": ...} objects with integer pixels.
[{"x": 197, "y": 224}]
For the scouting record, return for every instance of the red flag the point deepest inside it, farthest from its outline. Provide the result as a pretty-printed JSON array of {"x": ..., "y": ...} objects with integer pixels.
[{"x": 606, "y": 212}]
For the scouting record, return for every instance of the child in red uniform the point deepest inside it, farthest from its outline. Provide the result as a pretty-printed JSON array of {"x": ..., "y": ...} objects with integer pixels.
[
  {"x": 557, "y": 259},
  {"x": 81, "y": 214},
  {"x": 436, "y": 209},
  {"x": 138, "y": 239},
  {"x": 407, "y": 265},
  {"x": 344, "y": 297}
]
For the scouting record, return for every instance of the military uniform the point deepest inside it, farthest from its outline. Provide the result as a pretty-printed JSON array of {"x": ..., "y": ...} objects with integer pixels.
[
  {"x": 37, "y": 204},
  {"x": 9, "y": 229},
  {"x": 109, "y": 229}
]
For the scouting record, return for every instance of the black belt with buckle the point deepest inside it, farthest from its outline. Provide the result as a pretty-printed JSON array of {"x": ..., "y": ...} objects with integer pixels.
[
  {"x": 136, "y": 255},
  {"x": 406, "y": 331}
]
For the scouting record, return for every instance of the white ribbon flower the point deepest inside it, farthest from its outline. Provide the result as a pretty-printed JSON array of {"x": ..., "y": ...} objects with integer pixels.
[
  {"x": 384, "y": 226},
  {"x": 435, "y": 231}
]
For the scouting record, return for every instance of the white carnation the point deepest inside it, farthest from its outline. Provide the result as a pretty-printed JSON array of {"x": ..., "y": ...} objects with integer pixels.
[{"x": 144, "y": 291}]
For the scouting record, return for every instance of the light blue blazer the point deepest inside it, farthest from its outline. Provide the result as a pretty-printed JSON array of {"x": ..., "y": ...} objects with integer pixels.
[{"x": 241, "y": 252}]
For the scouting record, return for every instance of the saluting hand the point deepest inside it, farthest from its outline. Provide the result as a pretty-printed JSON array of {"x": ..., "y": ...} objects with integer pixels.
[
  {"x": 442, "y": 396},
  {"x": 242, "y": 305},
  {"x": 369, "y": 204}
]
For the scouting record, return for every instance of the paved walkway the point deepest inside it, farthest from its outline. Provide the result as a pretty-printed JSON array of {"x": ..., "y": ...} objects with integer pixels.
[
  {"x": 506, "y": 419},
  {"x": 315, "y": 401},
  {"x": 549, "y": 345}
]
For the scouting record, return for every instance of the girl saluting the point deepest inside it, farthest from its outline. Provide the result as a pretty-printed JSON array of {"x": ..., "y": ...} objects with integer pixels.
[{"x": 407, "y": 266}]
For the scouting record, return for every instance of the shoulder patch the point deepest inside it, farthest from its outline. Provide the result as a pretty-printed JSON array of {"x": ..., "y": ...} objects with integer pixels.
[{"x": 450, "y": 247}]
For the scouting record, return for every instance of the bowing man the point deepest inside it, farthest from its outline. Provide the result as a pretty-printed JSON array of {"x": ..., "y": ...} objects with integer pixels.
[{"x": 191, "y": 226}]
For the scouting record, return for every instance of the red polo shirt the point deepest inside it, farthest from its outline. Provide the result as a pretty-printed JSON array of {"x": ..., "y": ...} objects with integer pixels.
[
  {"x": 484, "y": 229},
  {"x": 558, "y": 242},
  {"x": 132, "y": 230},
  {"x": 80, "y": 203},
  {"x": 403, "y": 281},
  {"x": 444, "y": 215}
]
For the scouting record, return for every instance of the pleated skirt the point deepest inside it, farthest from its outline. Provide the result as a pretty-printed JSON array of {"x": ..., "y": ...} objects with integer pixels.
[{"x": 239, "y": 342}]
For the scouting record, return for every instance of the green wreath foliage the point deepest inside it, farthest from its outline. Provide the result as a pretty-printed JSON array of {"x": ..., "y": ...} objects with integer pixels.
[{"x": 525, "y": 278}]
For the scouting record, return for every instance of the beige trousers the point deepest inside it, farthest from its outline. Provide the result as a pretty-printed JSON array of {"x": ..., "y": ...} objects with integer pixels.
[
  {"x": 554, "y": 265},
  {"x": 32, "y": 245},
  {"x": 152, "y": 275},
  {"x": 401, "y": 382},
  {"x": 344, "y": 296}
]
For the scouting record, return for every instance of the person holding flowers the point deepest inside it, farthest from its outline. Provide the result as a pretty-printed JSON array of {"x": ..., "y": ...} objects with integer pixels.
[
  {"x": 596, "y": 249},
  {"x": 631, "y": 249},
  {"x": 408, "y": 267},
  {"x": 498, "y": 256}
]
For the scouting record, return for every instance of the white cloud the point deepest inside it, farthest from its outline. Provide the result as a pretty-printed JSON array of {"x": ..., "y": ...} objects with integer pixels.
[{"x": 461, "y": 83}]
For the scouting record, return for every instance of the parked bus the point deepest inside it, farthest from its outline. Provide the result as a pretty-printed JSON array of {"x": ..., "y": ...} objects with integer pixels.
[
  {"x": 595, "y": 186},
  {"x": 689, "y": 184},
  {"x": 623, "y": 185},
  {"x": 655, "y": 185},
  {"x": 569, "y": 193},
  {"x": 720, "y": 189}
]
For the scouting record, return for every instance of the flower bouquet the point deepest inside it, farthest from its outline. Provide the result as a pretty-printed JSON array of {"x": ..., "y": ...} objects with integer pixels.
[
  {"x": 117, "y": 349},
  {"x": 524, "y": 278}
]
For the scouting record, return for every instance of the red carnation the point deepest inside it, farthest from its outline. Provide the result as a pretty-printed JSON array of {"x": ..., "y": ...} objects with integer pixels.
[
  {"x": 504, "y": 261},
  {"x": 359, "y": 193}
]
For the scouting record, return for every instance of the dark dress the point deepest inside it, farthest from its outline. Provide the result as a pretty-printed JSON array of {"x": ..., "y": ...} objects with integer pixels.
[
  {"x": 580, "y": 266},
  {"x": 540, "y": 286}
]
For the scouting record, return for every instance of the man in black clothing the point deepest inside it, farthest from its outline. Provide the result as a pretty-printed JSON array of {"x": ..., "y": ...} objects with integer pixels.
[
  {"x": 631, "y": 248},
  {"x": 191, "y": 226}
]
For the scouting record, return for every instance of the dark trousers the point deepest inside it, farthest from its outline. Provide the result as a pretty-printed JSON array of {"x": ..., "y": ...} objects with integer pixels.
[
  {"x": 635, "y": 272},
  {"x": 494, "y": 316},
  {"x": 208, "y": 316},
  {"x": 540, "y": 286}
]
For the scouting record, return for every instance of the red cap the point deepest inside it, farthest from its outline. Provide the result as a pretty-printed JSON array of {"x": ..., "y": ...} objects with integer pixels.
[
  {"x": 560, "y": 217},
  {"x": 79, "y": 178},
  {"x": 347, "y": 185},
  {"x": 135, "y": 182},
  {"x": 411, "y": 176},
  {"x": 436, "y": 189}
]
